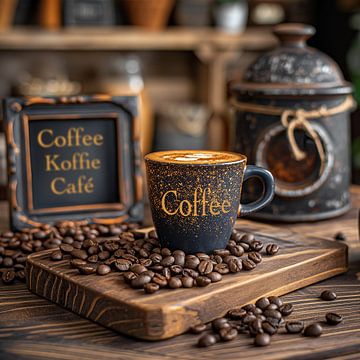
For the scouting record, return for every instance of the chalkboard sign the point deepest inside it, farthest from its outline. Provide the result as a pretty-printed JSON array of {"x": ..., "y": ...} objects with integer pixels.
[{"x": 73, "y": 158}]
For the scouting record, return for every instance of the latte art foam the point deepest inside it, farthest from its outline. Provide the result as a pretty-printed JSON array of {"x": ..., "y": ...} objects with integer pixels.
[{"x": 195, "y": 157}]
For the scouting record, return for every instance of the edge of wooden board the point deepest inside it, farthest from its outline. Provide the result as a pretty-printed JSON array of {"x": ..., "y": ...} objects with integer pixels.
[{"x": 152, "y": 321}]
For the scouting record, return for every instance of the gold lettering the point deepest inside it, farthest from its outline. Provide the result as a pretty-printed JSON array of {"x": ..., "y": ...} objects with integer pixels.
[
  {"x": 213, "y": 205},
  {"x": 163, "y": 204},
  {"x": 40, "y": 138},
  {"x": 227, "y": 204},
  {"x": 189, "y": 208},
  {"x": 98, "y": 140},
  {"x": 53, "y": 186},
  {"x": 50, "y": 162}
]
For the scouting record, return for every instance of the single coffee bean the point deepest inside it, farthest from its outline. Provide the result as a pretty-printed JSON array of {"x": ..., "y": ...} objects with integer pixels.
[
  {"x": 340, "y": 236},
  {"x": 140, "y": 281},
  {"x": 237, "y": 250},
  {"x": 190, "y": 272},
  {"x": 214, "y": 276},
  {"x": 92, "y": 250},
  {"x": 313, "y": 330},
  {"x": 249, "y": 307},
  {"x": 245, "y": 246},
  {"x": 248, "y": 238},
  {"x": 272, "y": 314},
  {"x": 8, "y": 277},
  {"x": 66, "y": 248},
  {"x": 286, "y": 309},
  {"x": 202, "y": 281},
  {"x": 333, "y": 318},
  {"x": 207, "y": 340},
  {"x": 77, "y": 262},
  {"x": 179, "y": 257},
  {"x": 167, "y": 261},
  {"x": 151, "y": 288},
  {"x": 275, "y": 300},
  {"x": 263, "y": 339},
  {"x": 222, "y": 268},
  {"x": 103, "y": 255},
  {"x": 221, "y": 252},
  {"x": 137, "y": 268},
  {"x": 228, "y": 334},
  {"x": 268, "y": 328},
  {"x": 294, "y": 327},
  {"x": 128, "y": 276},
  {"x": 160, "y": 280},
  {"x": 237, "y": 314},
  {"x": 175, "y": 283},
  {"x": 8, "y": 262},
  {"x": 255, "y": 327},
  {"x": 122, "y": 264},
  {"x": 235, "y": 265},
  {"x": 256, "y": 245},
  {"x": 94, "y": 259},
  {"x": 328, "y": 295},
  {"x": 20, "y": 275},
  {"x": 166, "y": 272},
  {"x": 262, "y": 303},
  {"x": 103, "y": 269},
  {"x": 272, "y": 307},
  {"x": 273, "y": 321},
  {"x": 248, "y": 264},
  {"x": 198, "y": 329},
  {"x": 79, "y": 254},
  {"x": 255, "y": 257},
  {"x": 176, "y": 269},
  {"x": 272, "y": 249},
  {"x": 156, "y": 258},
  {"x": 249, "y": 318},
  {"x": 191, "y": 261},
  {"x": 205, "y": 267},
  {"x": 165, "y": 252},
  {"x": 87, "y": 269},
  {"x": 187, "y": 281},
  {"x": 56, "y": 255},
  {"x": 220, "y": 323}
]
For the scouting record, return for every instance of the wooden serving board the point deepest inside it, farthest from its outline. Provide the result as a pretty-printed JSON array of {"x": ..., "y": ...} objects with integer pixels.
[{"x": 108, "y": 301}]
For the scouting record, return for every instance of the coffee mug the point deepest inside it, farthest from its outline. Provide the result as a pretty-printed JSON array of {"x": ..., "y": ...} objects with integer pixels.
[{"x": 195, "y": 196}]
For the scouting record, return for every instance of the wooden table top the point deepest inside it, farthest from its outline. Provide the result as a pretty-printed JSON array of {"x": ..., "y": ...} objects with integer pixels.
[{"x": 34, "y": 328}]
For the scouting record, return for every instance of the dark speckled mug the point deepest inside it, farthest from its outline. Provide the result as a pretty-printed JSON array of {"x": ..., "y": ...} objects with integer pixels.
[{"x": 195, "y": 196}]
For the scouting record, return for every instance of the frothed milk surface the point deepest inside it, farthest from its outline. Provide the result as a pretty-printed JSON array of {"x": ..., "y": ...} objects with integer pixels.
[{"x": 195, "y": 157}]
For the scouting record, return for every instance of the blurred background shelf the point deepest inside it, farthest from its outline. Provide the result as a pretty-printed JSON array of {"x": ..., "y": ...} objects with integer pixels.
[{"x": 131, "y": 38}]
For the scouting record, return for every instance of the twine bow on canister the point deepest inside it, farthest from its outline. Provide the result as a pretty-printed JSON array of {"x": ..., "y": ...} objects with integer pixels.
[{"x": 298, "y": 119}]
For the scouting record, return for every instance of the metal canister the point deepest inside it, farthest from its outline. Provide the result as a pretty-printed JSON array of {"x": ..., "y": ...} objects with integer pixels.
[{"x": 291, "y": 116}]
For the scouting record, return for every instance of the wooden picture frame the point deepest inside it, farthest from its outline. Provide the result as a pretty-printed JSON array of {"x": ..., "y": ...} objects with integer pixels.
[{"x": 73, "y": 159}]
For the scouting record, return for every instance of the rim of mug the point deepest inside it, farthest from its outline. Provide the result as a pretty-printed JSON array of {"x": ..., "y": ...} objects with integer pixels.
[{"x": 150, "y": 157}]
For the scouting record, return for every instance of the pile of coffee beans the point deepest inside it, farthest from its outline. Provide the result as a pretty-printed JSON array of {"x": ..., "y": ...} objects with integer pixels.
[
  {"x": 261, "y": 321},
  {"x": 15, "y": 247},
  {"x": 145, "y": 265}
]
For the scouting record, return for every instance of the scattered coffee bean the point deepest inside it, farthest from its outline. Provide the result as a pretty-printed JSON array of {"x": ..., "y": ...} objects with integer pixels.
[
  {"x": 328, "y": 295},
  {"x": 175, "y": 283},
  {"x": 228, "y": 334},
  {"x": 272, "y": 249},
  {"x": 8, "y": 277},
  {"x": 151, "y": 288},
  {"x": 262, "y": 303},
  {"x": 313, "y": 330},
  {"x": 87, "y": 269},
  {"x": 333, "y": 318},
  {"x": 207, "y": 340},
  {"x": 57, "y": 255},
  {"x": 275, "y": 300},
  {"x": 263, "y": 339},
  {"x": 220, "y": 323},
  {"x": 248, "y": 264},
  {"x": 294, "y": 327},
  {"x": 214, "y": 276},
  {"x": 255, "y": 257},
  {"x": 202, "y": 281},
  {"x": 103, "y": 269},
  {"x": 198, "y": 329},
  {"x": 140, "y": 281},
  {"x": 340, "y": 236},
  {"x": 286, "y": 309},
  {"x": 256, "y": 245},
  {"x": 187, "y": 281},
  {"x": 237, "y": 314},
  {"x": 205, "y": 267},
  {"x": 268, "y": 328}
]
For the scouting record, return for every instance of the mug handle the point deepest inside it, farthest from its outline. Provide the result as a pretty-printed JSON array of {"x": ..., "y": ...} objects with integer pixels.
[{"x": 268, "y": 184}]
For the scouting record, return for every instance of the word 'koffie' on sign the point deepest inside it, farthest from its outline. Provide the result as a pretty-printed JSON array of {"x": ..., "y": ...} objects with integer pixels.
[{"x": 75, "y": 137}]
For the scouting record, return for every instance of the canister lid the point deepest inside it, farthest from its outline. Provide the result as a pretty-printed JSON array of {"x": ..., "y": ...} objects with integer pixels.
[{"x": 293, "y": 68}]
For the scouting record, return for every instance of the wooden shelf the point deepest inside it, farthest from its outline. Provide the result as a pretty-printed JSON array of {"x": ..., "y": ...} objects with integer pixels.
[{"x": 130, "y": 38}]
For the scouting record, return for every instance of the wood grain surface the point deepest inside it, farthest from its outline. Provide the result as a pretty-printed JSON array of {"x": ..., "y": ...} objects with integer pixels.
[
  {"x": 112, "y": 303},
  {"x": 31, "y": 327}
]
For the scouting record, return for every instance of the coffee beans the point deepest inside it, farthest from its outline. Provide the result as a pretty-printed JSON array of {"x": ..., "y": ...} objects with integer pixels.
[
  {"x": 103, "y": 269},
  {"x": 263, "y": 339},
  {"x": 294, "y": 327},
  {"x": 328, "y": 295},
  {"x": 333, "y": 318},
  {"x": 313, "y": 330},
  {"x": 207, "y": 340},
  {"x": 272, "y": 249},
  {"x": 198, "y": 329}
]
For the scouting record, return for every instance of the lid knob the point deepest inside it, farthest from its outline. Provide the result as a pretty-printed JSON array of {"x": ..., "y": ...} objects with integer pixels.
[{"x": 293, "y": 34}]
